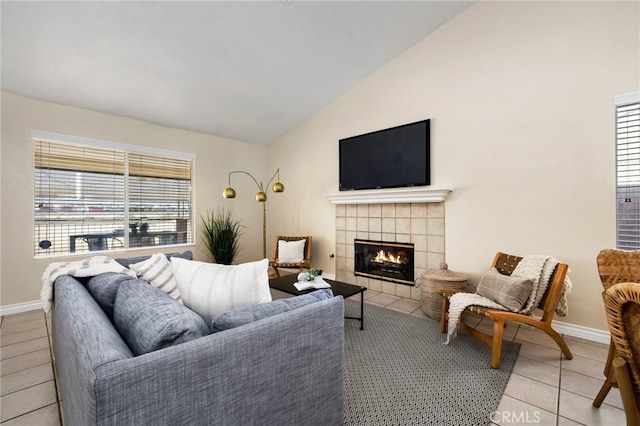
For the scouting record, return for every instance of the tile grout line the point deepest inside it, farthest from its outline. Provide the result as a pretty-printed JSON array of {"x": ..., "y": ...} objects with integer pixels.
[
  {"x": 559, "y": 388},
  {"x": 32, "y": 411},
  {"x": 53, "y": 368}
]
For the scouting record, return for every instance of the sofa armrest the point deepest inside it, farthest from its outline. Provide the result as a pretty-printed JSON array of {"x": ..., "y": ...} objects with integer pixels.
[
  {"x": 286, "y": 369},
  {"x": 83, "y": 339}
]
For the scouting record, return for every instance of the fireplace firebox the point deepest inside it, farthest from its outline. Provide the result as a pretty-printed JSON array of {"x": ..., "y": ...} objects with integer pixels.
[{"x": 388, "y": 261}]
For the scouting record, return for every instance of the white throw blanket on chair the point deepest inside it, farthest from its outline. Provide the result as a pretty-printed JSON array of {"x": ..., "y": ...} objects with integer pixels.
[
  {"x": 537, "y": 268},
  {"x": 82, "y": 268},
  {"x": 458, "y": 303}
]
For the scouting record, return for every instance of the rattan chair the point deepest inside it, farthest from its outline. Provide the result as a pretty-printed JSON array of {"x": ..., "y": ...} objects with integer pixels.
[
  {"x": 615, "y": 266},
  {"x": 622, "y": 305},
  {"x": 505, "y": 264},
  {"x": 305, "y": 263}
]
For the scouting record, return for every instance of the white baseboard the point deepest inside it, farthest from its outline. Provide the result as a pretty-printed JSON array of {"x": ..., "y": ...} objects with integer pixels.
[
  {"x": 586, "y": 333},
  {"x": 19, "y": 308}
]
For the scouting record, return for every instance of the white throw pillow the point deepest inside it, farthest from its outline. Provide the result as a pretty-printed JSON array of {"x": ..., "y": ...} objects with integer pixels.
[
  {"x": 158, "y": 272},
  {"x": 211, "y": 289},
  {"x": 290, "y": 251}
]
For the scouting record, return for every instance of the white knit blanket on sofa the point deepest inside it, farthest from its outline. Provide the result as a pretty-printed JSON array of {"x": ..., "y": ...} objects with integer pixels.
[
  {"x": 537, "y": 268},
  {"x": 82, "y": 268}
]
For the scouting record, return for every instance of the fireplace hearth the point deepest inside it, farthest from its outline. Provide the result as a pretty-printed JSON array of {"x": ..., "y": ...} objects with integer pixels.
[{"x": 387, "y": 261}]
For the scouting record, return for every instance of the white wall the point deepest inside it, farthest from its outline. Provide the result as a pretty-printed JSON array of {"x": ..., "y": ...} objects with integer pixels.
[
  {"x": 20, "y": 272},
  {"x": 520, "y": 98}
]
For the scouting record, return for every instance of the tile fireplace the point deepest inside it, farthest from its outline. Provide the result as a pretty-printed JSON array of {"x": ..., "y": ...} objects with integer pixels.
[{"x": 420, "y": 224}]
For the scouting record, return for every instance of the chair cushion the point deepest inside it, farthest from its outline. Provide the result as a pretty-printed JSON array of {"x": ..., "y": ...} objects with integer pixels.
[
  {"x": 148, "y": 319},
  {"x": 104, "y": 287},
  {"x": 290, "y": 251},
  {"x": 510, "y": 292},
  {"x": 248, "y": 314},
  {"x": 211, "y": 289},
  {"x": 158, "y": 272}
]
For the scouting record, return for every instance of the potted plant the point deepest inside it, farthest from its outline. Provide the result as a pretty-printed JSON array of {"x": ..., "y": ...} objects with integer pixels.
[{"x": 221, "y": 234}]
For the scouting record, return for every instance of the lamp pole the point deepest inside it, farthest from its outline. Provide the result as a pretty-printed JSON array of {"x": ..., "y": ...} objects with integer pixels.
[{"x": 261, "y": 197}]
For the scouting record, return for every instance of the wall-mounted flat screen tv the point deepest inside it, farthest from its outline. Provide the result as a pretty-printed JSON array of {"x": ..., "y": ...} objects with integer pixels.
[{"x": 389, "y": 158}]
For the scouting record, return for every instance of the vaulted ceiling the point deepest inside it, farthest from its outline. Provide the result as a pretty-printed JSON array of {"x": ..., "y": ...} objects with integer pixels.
[{"x": 250, "y": 71}]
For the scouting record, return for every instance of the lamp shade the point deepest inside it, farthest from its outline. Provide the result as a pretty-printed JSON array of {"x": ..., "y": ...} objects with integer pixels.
[
  {"x": 278, "y": 187},
  {"x": 261, "y": 197},
  {"x": 229, "y": 193}
]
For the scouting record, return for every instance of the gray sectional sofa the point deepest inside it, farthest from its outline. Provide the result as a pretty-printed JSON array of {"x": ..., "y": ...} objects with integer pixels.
[{"x": 287, "y": 369}]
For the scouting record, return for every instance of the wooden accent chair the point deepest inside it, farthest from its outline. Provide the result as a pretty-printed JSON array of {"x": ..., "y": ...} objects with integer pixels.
[
  {"x": 615, "y": 266},
  {"x": 304, "y": 263},
  {"x": 622, "y": 305},
  {"x": 505, "y": 264}
]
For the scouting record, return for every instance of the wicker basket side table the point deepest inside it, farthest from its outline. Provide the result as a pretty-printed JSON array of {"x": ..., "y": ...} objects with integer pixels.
[{"x": 432, "y": 279}]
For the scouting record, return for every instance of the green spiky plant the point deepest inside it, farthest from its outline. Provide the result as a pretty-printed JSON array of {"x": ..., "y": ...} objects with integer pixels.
[{"x": 221, "y": 235}]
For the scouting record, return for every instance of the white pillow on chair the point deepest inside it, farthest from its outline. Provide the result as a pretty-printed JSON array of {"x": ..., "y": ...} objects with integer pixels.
[{"x": 290, "y": 251}]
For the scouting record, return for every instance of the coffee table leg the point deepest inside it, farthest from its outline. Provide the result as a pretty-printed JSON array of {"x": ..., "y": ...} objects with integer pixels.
[{"x": 362, "y": 310}]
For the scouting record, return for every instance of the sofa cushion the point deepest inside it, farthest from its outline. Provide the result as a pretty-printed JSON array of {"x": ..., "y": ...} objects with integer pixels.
[
  {"x": 211, "y": 289},
  {"x": 290, "y": 251},
  {"x": 510, "y": 292},
  {"x": 126, "y": 261},
  {"x": 148, "y": 319},
  {"x": 247, "y": 314},
  {"x": 104, "y": 287},
  {"x": 158, "y": 272}
]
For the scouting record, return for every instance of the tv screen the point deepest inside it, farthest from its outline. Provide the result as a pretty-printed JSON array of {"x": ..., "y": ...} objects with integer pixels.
[{"x": 390, "y": 158}]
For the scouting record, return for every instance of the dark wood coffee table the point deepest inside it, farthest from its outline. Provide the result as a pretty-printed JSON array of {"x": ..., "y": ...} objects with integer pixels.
[{"x": 285, "y": 283}]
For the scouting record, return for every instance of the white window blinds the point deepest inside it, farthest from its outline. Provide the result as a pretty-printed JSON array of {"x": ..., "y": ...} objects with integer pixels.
[
  {"x": 628, "y": 172},
  {"x": 97, "y": 198}
]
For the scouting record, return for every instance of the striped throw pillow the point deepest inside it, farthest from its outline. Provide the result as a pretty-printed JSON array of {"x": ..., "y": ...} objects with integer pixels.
[{"x": 158, "y": 272}]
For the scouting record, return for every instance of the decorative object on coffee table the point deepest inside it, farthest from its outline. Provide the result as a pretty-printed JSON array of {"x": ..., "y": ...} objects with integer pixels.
[
  {"x": 430, "y": 280},
  {"x": 309, "y": 275}
]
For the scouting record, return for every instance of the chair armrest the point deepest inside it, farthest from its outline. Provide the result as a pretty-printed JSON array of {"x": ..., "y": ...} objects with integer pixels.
[{"x": 448, "y": 292}]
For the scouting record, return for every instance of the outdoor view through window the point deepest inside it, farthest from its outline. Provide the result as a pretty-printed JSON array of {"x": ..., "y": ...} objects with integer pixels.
[
  {"x": 628, "y": 175},
  {"x": 95, "y": 198}
]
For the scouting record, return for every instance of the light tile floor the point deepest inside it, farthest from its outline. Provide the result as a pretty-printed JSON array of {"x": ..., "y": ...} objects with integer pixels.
[{"x": 544, "y": 388}]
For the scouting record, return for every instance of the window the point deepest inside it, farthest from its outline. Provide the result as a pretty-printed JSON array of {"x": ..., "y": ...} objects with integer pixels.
[
  {"x": 101, "y": 196},
  {"x": 628, "y": 171}
]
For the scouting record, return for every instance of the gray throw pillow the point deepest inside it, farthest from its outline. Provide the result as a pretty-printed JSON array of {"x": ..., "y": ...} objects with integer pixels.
[
  {"x": 250, "y": 313},
  {"x": 510, "y": 292},
  {"x": 103, "y": 289},
  {"x": 148, "y": 319},
  {"x": 126, "y": 261}
]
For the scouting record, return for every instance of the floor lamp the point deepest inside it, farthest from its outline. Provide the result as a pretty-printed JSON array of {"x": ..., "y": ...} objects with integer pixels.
[{"x": 261, "y": 197}]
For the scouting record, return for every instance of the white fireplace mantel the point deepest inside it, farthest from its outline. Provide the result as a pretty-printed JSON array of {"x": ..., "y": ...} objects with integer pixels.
[{"x": 420, "y": 194}]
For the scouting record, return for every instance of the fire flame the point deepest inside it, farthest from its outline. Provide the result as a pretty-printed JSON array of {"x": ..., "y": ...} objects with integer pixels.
[{"x": 381, "y": 256}]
